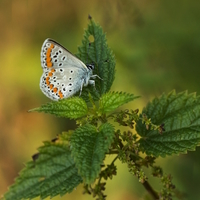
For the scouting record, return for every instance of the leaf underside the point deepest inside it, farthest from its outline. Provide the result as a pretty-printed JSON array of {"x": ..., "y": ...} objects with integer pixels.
[{"x": 180, "y": 114}]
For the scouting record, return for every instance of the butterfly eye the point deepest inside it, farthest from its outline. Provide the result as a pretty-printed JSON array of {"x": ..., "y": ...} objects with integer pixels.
[{"x": 90, "y": 67}]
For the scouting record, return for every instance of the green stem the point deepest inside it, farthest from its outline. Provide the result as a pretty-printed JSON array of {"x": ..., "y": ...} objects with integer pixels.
[
  {"x": 92, "y": 102},
  {"x": 111, "y": 164},
  {"x": 151, "y": 191},
  {"x": 114, "y": 160},
  {"x": 113, "y": 152}
]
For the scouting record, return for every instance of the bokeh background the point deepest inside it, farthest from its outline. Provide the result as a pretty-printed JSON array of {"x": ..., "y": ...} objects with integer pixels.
[{"x": 157, "y": 49}]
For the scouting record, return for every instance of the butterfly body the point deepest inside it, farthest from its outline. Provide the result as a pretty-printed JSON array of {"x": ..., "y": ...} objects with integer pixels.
[{"x": 63, "y": 73}]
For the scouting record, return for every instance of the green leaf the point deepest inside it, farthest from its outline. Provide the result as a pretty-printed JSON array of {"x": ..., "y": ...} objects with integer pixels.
[
  {"x": 72, "y": 108},
  {"x": 180, "y": 114},
  {"x": 88, "y": 146},
  {"x": 94, "y": 50},
  {"x": 51, "y": 173},
  {"x": 112, "y": 100}
]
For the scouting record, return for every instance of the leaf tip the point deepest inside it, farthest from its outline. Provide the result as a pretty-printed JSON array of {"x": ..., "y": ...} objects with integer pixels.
[{"x": 33, "y": 110}]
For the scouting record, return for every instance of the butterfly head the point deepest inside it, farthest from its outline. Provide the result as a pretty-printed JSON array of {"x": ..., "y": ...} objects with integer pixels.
[{"x": 90, "y": 67}]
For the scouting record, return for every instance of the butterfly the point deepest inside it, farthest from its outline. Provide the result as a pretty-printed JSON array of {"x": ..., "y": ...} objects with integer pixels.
[{"x": 63, "y": 73}]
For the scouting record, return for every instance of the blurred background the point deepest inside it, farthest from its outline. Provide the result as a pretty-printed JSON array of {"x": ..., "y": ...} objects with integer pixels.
[{"x": 157, "y": 49}]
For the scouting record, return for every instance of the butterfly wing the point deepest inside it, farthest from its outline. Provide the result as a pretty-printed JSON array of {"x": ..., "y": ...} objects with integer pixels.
[
  {"x": 55, "y": 55},
  {"x": 63, "y": 73}
]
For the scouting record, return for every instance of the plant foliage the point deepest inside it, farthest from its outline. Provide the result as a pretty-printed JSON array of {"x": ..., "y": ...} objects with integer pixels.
[
  {"x": 95, "y": 50},
  {"x": 180, "y": 114},
  {"x": 88, "y": 147},
  {"x": 72, "y": 108},
  {"x": 112, "y": 100},
  {"x": 51, "y": 172},
  {"x": 168, "y": 125}
]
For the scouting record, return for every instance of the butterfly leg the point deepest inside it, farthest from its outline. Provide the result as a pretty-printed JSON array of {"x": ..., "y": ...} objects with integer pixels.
[
  {"x": 94, "y": 76},
  {"x": 82, "y": 83},
  {"x": 92, "y": 82}
]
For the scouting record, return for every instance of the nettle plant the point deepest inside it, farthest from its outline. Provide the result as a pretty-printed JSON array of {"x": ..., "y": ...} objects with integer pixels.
[{"x": 168, "y": 125}]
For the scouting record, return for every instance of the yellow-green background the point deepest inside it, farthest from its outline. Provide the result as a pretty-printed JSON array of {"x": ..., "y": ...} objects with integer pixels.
[{"x": 157, "y": 49}]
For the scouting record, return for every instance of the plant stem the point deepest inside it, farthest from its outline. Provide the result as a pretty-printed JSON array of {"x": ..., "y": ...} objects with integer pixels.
[
  {"x": 114, "y": 160},
  {"x": 150, "y": 190}
]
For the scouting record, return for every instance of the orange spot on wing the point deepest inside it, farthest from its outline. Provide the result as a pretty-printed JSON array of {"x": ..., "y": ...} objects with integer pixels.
[
  {"x": 55, "y": 90},
  {"x": 48, "y": 56},
  {"x": 49, "y": 50},
  {"x": 48, "y": 53},
  {"x": 49, "y": 64},
  {"x": 60, "y": 94},
  {"x": 50, "y": 74},
  {"x": 47, "y": 81},
  {"x": 52, "y": 46},
  {"x": 51, "y": 86},
  {"x": 48, "y": 59}
]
